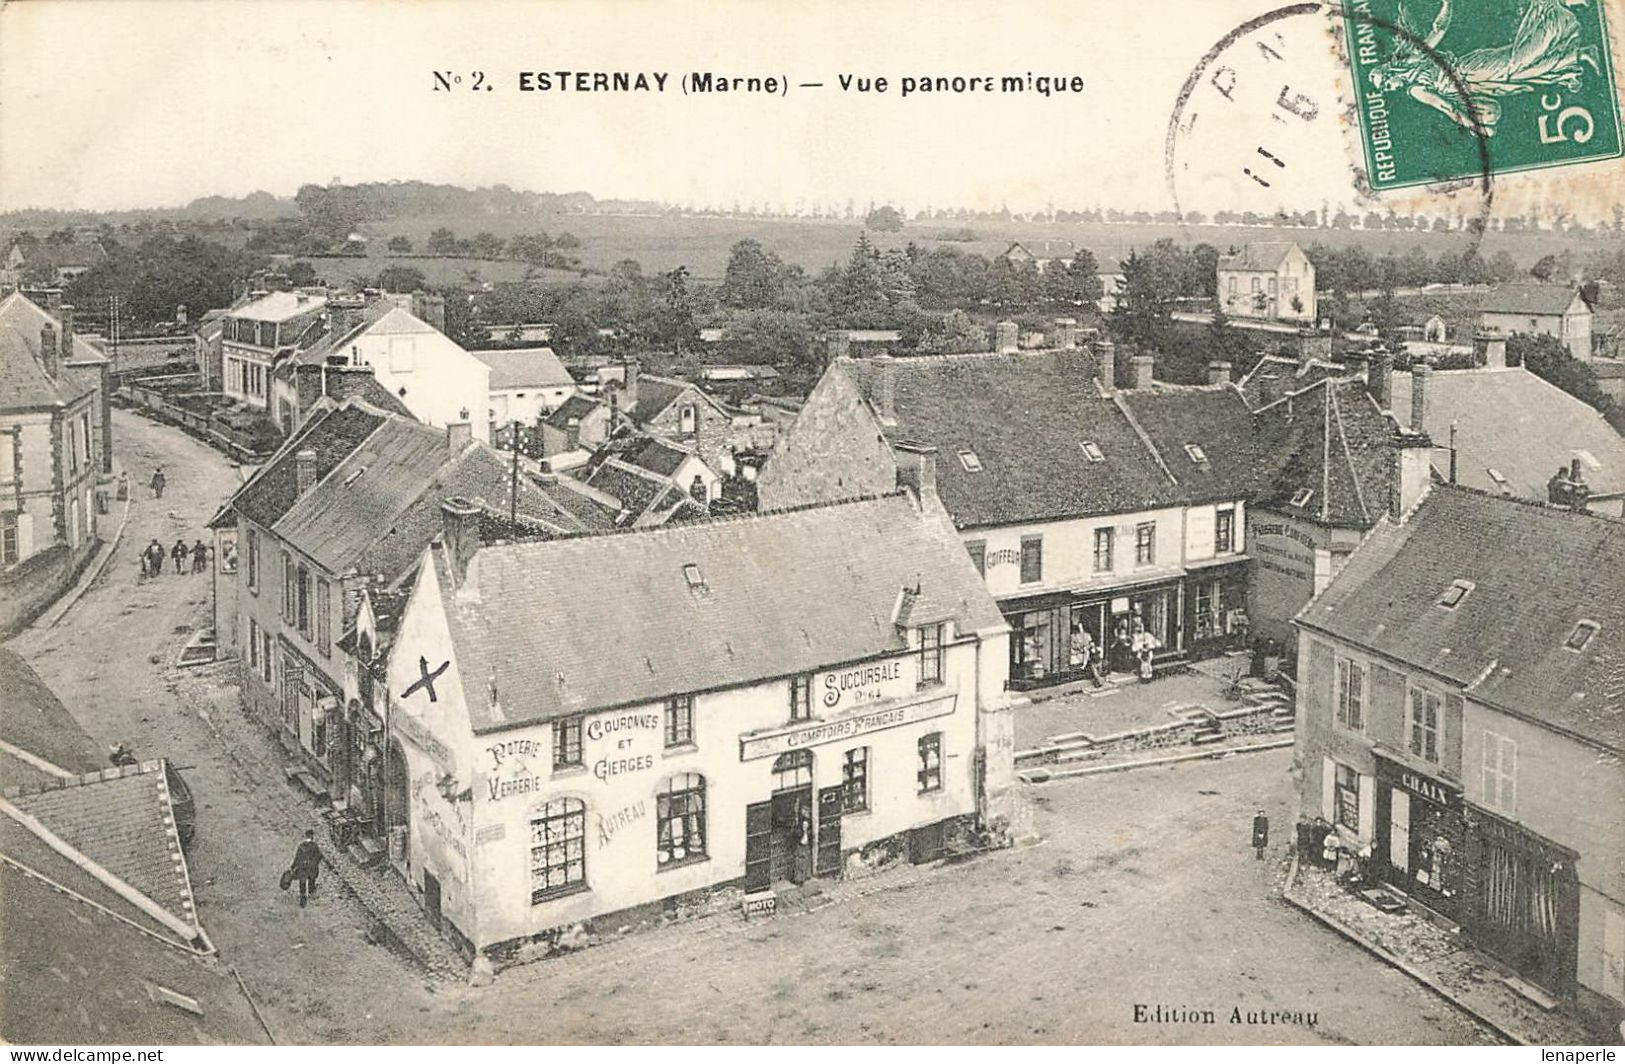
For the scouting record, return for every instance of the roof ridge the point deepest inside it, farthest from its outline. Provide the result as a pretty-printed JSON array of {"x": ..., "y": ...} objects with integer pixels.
[
  {"x": 1532, "y": 504},
  {"x": 35, "y": 873},
  {"x": 82, "y": 779},
  {"x": 1144, "y": 437},
  {"x": 1348, "y": 454}
]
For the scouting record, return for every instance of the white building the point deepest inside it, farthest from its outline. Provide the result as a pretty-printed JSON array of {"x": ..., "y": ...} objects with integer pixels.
[
  {"x": 1268, "y": 279},
  {"x": 526, "y": 383},
  {"x": 256, "y": 334}
]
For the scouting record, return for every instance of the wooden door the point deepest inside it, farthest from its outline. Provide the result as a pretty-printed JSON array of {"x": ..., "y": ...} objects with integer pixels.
[
  {"x": 1399, "y": 830},
  {"x": 431, "y": 897},
  {"x": 758, "y": 846},
  {"x": 829, "y": 832}
]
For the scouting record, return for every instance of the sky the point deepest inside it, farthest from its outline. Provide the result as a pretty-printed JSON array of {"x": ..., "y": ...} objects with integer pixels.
[{"x": 112, "y": 104}]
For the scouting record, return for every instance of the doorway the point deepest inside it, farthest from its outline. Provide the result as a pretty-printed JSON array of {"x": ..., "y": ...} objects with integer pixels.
[{"x": 791, "y": 839}]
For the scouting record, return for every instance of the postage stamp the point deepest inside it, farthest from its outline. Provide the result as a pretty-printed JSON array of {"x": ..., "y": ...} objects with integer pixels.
[{"x": 1448, "y": 89}]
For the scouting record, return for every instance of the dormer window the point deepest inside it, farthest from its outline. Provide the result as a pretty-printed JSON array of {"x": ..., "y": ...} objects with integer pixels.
[
  {"x": 1196, "y": 453},
  {"x": 1091, "y": 451},
  {"x": 1582, "y": 635},
  {"x": 1302, "y": 497},
  {"x": 1454, "y": 594},
  {"x": 969, "y": 460}
]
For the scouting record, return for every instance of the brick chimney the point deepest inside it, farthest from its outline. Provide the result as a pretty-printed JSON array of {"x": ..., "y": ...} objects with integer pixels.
[
  {"x": 458, "y": 436},
  {"x": 1379, "y": 377},
  {"x": 67, "y": 332},
  {"x": 1218, "y": 373},
  {"x": 1144, "y": 369},
  {"x": 460, "y": 533},
  {"x": 1419, "y": 396},
  {"x": 50, "y": 355},
  {"x": 572, "y": 429},
  {"x": 1006, "y": 337},
  {"x": 918, "y": 469},
  {"x": 838, "y": 344},
  {"x": 1106, "y": 352},
  {"x": 304, "y": 471},
  {"x": 888, "y": 389}
]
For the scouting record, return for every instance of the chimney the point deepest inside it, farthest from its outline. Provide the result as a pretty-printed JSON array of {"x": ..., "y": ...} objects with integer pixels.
[
  {"x": 1379, "y": 377},
  {"x": 1106, "y": 351},
  {"x": 1268, "y": 387},
  {"x": 572, "y": 431},
  {"x": 1218, "y": 373},
  {"x": 630, "y": 366},
  {"x": 1006, "y": 338},
  {"x": 918, "y": 472},
  {"x": 838, "y": 344},
  {"x": 458, "y": 436},
  {"x": 460, "y": 533},
  {"x": 888, "y": 389},
  {"x": 1492, "y": 347},
  {"x": 67, "y": 332},
  {"x": 1413, "y": 475},
  {"x": 304, "y": 471},
  {"x": 1144, "y": 366},
  {"x": 1419, "y": 396},
  {"x": 1066, "y": 333},
  {"x": 49, "y": 356}
]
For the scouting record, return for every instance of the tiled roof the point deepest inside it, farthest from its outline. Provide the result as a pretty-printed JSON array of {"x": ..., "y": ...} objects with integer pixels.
[
  {"x": 655, "y": 394},
  {"x": 1290, "y": 375},
  {"x": 279, "y": 306},
  {"x": 34, "y": 720},
  {"x": 23, "y": 381},
  {"x": 636, "y": 489},
  {"x": 1534, "y": 299},
  {"x": 1536, "y": 571},
  {"x": 1331, "y": 440},
  {"x": 1517, "y": 424},
  {"x": 577, "y": 406},
  {"x": 1213, "y": 419},
  {"x": 780, "y": 593},
  {"x": 529, "y": 367},
  {"x": 658, "y": 456},
  {"x": 1259, "y": 255},
  {"x": 332, "y": 433},
  {"x": 1025, "y": 418}
]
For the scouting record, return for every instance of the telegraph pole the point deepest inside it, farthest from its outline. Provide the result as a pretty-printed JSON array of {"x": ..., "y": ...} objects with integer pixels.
[{"x": 513, "y": 480}]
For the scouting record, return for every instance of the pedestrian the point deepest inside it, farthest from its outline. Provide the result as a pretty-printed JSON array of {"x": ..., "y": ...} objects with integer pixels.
[
  {"x": 158, "y": 481},
  {"x": 179, "y": 553},
  {"x": 152, "y": 559},
  {"x": 200, "y": 557},
  {"x": 1097, "y": 660},
  {"x": 1261, "y": 834},
  {"x": 307, "y": 861}
]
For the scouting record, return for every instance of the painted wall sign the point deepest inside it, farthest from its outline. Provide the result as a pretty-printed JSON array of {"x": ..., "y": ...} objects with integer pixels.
[
  {"x": 863, "y": 684},
  {"x": 413, "y": 729},
  {"x": 609, "y": 825},
  {"x": 1008, "y": 556},
  {"x": 817, "y": 733},
  {"x": 1432, "y": 790}
]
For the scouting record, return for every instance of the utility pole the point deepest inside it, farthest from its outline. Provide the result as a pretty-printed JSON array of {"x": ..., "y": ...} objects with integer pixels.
[{"x": 513, "y": 479}]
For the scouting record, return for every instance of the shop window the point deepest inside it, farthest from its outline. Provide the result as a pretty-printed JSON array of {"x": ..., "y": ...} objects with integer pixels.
[
  {"x": 558, "y": 849},
  {"x": 1500, "y": 777},
  {"x": 1424, "y": 728},
  {"x": 1145, "y": 543},
  {"x": 855, "y": 781},
  {"x": 567, "y": 743},
  {"x": 801, "y": 697},
  {"x": 680, "y": 820},
  {"x": 792, "y": 771},
  {"x": 977, "y": 549},
  {"x": 1348, "y": 797},
  {"x": 1104, "y": 541},
  {"x": 931, "y": 652},
  {"x": 1030, "y": 646},
  {"x": 1032, "y": 559},
  {"x": 680, "y": 720},
  {"x": 1350, "y": 694},
  {"x": 1224, "y": 530},
  {"x": 253, "y": 561},
  {"x": 929, "y": 775},
  {"x": 1209, "y": 603}
]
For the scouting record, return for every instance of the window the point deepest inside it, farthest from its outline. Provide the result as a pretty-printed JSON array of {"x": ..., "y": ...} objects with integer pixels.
[
  {"x": 1032, "y": 559},
  {"x": 1195, "y": 453},
  {"x": 265, "y": 656},
  {"x": 855, "y": 781},
  {"x": 1092, "y": 451},
  {"x": 680, "y": 720},
  {"x": 1103, "y": 550},
  {"x": 10, "y": 545},
  {"x": 1224, "y": 531},
  {"x": 84, "y": 427},
  {"x": 253, "y": 646},
  {"x": 324, "y": 627},
  {"x": 302, "y": 604},
  {"x": 288, "y": 592},
  {"x": 969, "y": 460},
  {"x": 1232, "y": 286},
  {"x": 801, "y": 697},
  {"x": 680, "y": 819},
  {"x": 558, "y": 849},
  {"x": 931, "y": 654},
  {"x": 1580, "y": 638},
  {"x": 930, "y": 772},
  {"x": 977, "y": 549},
  {"x": 567, "y": 743},
  {"x": 1350, "y": 694},
  {"x": 1500, "y": 773},
  {"x": 253, "y": 561},
  {"x": 1301, "y": 498},
  {"x": 1145, "y": 543},
  {"x": 1454, "y": 594},
  {"x": 687, "y": 420},
  {"x": 1424, "y": 729},
  {"x": 1348, "y": 797}
]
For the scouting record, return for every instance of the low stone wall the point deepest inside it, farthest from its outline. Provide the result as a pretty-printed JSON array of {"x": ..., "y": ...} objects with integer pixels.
[
  {"x": 28, "y": 590},
  {"x": 1245, "y": 720}
]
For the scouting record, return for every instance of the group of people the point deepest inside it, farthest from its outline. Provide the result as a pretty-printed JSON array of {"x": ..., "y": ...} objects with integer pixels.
[{"x": 152, "y": 558}]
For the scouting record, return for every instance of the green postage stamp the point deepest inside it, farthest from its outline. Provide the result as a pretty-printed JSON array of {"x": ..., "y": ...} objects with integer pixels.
[{"x": 1445, "y": 88}]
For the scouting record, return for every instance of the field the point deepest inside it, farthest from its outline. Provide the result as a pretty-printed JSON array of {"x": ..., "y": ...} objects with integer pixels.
[{"x": 439, "y": 272}]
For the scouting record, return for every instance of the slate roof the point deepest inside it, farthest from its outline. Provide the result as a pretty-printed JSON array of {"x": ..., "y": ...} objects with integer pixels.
[
  {"x": 783, "y": 593},
  {"x": 658, "y": 456},
  {"x": 528, "y": 367},
  {"x": 1331, "y": 439},
  {"x": 1291, "y": 374},
  {"x": 278, "y": 306},
  {"x": 1213, "y": 418},
  {"x": 1258, "y": 255},
  {"x": 577, "y": 406},
  {"x": 34, "y": 720},
  {"x": 332, "y": 433},
  {"x": 343, "y": 327},
  {"x": 634, "y": 488},
  {"x": 1025, "y": 417},
  {"x": 1519, "y": 425},
  {"x": 655, "y": 394},
  {"x": 1532, "y": 299},
  {"x": 1537, "y": 571},
  {"x": 24, "y": 384}
]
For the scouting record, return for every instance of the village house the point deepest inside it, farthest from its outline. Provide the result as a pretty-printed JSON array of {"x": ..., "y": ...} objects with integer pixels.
[
  {"x": 653, "y": 480},
  {"x": 1268, "y": 279},
  {"x": 46, "y": 263},
  {"x": 1040, "y": 254},
  {"x": 756, "y": 727},
  {"x": 676, "y": 410},
  {"x": 1096, "y": 516},
  {"x": 347, "y": 504},
  {"x": 208, "y": 350},
  {"x": 1539, "y": 309},
  {"x": 1460, "y": 724},
  {"x": 259, "y": 332},
  {"x": 525, "y": 384},
  {"x": 50, "y": 455}
]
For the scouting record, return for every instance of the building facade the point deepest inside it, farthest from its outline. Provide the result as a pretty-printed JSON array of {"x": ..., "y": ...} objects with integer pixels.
[
  {"x": 255, "y": 335},
  {"x": 1539, "y": 309},
  {"x": 1268, "y": 279}
]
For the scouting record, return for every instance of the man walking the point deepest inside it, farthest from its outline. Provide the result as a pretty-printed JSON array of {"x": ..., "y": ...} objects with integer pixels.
[
  {"x": 152, "y": 559},
  {"x": 200, "y": 557},
  {"x": 307, "y": 861},
  {"x": 179, "y": 552},
  {"x": 158, "y": 481},
  {"x": 1261, "y": 834}
]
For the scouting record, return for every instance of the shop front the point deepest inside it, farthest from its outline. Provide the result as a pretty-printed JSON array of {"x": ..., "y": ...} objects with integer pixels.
[
  {"x": 1216, "y": 606},
  {"x": 1052, "y": 636},
  {"x": 1420, "y": 842},
  {"x": 1523, "y": 904}
]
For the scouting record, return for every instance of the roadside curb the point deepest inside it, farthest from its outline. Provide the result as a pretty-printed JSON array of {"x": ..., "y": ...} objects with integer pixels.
[
  {"x": 1044, "y": 775},
  {"x": 60, "y": 608},
  {"x": 1392, "y": 959}
]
